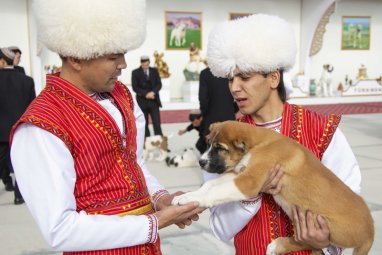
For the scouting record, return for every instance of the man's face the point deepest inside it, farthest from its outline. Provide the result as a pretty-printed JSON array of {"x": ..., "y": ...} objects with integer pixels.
[
  {"x": 145, "y": 65},
  {"x": 16, "y": 60},
  {"x": 250, "y": 91},
  {"x": 2, "y": 63},
  {"x": 100, "y": 74}
]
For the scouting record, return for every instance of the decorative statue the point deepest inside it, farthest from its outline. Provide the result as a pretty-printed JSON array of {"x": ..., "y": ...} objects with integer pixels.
[
  {"x": 161, "y": 65},
  {"x": 362, "y": 75},
  {"x": 195, "y": 65},
  {"x": 325, "y": 82}
]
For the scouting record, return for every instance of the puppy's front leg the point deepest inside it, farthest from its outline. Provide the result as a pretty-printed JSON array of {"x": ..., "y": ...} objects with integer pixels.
[{"x": 213, "y": 192}]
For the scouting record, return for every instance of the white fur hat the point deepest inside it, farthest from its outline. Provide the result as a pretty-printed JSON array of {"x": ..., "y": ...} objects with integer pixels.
[
  {"x": 258, "y": 43},
  {"x": 87, "y": 29}
]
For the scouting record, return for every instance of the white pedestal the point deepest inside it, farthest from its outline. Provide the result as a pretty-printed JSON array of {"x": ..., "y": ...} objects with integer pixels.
[
  {"x": 164, "y": 93},
  {"x": 190, "y": 91},
  {"x": 364, "y": 88},
  {"x": 299, "y": 87}
]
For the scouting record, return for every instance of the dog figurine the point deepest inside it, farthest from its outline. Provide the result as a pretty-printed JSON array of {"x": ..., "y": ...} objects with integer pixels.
[
  {"x": 306, "y": 183},
  {"x": 187, "y": 159},
  {"x": 155, "y": 148}
]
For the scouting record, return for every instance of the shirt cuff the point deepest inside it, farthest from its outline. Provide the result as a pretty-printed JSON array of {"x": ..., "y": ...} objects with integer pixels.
[
  {"x": 332, "y": 250},
  {"x": 153, "y": 228},
  {"x": 252, "y": 201},
  {"x": 157, "y": 195}
]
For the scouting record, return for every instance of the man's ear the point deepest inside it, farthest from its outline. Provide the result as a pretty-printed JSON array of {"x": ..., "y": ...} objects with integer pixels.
[
  {"x": 240, "y": 145},
  {"x": 75, "y": 63},
  {"x": 275, "y": 79}
]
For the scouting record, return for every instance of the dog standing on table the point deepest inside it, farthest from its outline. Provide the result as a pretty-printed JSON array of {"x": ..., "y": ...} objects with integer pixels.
[{"x": 306, "y": 183}]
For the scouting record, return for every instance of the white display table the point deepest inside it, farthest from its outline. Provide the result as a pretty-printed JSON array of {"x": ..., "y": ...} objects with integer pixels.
[
  {"x": 364, "y": 88},
  {"x": 164, "y": 93},
  {"x": 190, "y": 91}
]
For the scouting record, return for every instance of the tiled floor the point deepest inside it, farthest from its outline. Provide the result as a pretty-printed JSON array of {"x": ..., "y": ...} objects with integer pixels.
[{"x": 20, "y": 236}]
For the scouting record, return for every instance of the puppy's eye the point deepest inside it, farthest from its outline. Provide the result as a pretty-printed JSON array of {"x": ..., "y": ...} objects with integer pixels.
[{"x": 220, "y": 148}]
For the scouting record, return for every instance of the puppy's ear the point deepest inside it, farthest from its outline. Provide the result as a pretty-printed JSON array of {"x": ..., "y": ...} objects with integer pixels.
[
  {"x": 214, "y": 125},
  {"x": 240, "y": 145}
]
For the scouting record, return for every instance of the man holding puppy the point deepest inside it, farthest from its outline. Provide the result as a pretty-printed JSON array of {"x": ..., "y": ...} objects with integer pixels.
[
  {"x": 77, "y": 150},
  {"x": 255, "y": 67}
]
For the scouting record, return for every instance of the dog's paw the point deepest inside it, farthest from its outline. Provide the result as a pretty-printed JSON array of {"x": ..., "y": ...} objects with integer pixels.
[
  {"x": 272, "y": 247},
  {"x": 187, "y": 198}
]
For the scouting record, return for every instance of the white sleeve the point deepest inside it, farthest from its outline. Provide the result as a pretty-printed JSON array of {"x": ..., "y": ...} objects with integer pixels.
[
  {"x": 152, "y": 183},
  {"x": 227, "y": 220},
  {"x": 340, "y": 159},
  {"x": 44, "y": 169}
]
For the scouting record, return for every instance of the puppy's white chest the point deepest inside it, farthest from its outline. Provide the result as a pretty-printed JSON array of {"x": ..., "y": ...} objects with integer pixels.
[{"x": 287, "y": 207}]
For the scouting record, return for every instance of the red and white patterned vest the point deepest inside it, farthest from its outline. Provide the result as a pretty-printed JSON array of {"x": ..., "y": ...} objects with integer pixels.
[
  {"x": 109, "y": 180},
  {"x": 313, "y": 131}
]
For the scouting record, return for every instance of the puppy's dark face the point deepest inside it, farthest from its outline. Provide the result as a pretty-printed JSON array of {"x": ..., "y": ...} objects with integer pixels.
[{"x": 226, "y": 150}]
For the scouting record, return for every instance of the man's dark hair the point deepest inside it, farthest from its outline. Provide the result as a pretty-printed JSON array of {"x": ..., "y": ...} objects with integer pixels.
[
  {"x": 281, "y": 87},
  {"x": 144, "y": 60},
  {"x": 9, "y": 61}
]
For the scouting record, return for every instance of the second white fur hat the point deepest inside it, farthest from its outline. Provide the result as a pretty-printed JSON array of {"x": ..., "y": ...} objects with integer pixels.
[
  {"x": 88, "y": 29},
  {"x": 258, "y": 43}
]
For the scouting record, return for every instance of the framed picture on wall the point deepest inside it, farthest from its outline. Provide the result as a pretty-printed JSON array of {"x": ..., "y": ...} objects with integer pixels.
[
  {"x": 182, "y": 29},
  {"x": 355, "y": 33},
  {"x": 233, "y": 16}
]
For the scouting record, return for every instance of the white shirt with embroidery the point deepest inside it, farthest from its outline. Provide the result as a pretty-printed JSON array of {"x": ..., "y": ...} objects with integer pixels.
[{"x": 45, "y": 173}]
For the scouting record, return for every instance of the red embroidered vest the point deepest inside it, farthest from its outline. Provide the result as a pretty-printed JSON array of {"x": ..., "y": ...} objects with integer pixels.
[
  {"x": 109, "y": 180},
  {"x": 315, "y": 132}
]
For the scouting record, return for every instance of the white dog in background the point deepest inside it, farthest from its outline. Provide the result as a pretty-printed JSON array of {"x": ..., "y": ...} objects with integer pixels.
[
  {"x": 156, "y": 148},
  {"x": 178, "y": 34},
  {"x": 188, "y": 158},
  {"x": 325, "y": 87}
]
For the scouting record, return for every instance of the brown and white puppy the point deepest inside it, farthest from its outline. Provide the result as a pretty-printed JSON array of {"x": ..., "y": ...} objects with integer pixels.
[{"x": 306, "y": 183}]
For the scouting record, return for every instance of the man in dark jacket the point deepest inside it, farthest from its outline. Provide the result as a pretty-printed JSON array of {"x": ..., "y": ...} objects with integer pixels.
[
  {"x": 146, "y": 84},
  {"x": 17, "y": 59},
  {"x": 216, "y": 101},
  {"x": 16, "y": 93}
]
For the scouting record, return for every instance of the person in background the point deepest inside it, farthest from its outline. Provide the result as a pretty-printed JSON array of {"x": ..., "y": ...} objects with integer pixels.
[
  {"x": 16, "y": 93},
  {"x": 215, "y": 100},
  {"x": 17, "y": 59},
  {"x": 254, "y": 66},
  {"x": 77, "y": 150},
  {"x": 146, "y": 84},
  {"x": 196, "y": 119}
]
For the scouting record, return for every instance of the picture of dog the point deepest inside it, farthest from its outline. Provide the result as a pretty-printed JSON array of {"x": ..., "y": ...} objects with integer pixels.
[
  {"x": 188, "y": 158},
  {"x": 306, "y": 183},
  {"x": 178, "y": 35},
  {"x": 155, "y": 148}
]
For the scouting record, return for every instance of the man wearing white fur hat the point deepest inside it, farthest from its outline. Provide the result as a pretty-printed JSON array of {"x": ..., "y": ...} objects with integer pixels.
[
  {"x": 77, "y": 150},
  {"x": 254, "y": 52}
]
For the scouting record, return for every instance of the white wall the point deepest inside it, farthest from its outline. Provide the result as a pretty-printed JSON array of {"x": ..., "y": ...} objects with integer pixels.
[
  {"x": 14, "y": 29},
  {"x": 348, "y": 61},
  {"x": 213, "y": 11}
]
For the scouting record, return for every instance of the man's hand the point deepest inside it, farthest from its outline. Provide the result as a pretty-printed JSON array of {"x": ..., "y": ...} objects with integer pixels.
[
  {"x": 182, "y": 131},
  {"x": 310, "y": 228},
  {"x": 150, "y": 95},
  {"x": 182, "y": 217},
  {"x": 273, "y": 185}
]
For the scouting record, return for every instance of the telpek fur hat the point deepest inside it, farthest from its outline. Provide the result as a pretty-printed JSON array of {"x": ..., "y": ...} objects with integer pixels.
[
  {"x": 87, "y": 29},
  {"x": 257, "y": 43}
]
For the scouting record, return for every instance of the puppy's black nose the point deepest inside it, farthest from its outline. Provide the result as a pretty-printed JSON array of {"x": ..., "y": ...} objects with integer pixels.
[{"x": 203, "y": 162}]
